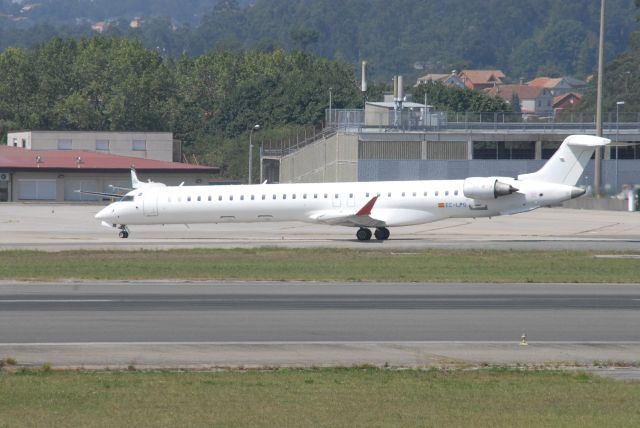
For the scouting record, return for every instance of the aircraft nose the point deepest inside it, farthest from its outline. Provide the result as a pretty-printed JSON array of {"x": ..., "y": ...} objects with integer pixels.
[{"x": 105, "y": 214}]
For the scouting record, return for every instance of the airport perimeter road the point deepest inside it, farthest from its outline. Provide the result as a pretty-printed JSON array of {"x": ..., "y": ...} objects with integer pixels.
[
  {"x": 55, "y": 227},
  {"x": 266, "y": 324}
]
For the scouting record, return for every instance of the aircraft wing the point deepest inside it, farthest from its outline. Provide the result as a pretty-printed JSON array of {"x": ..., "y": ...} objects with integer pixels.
[
  {"x": 104, "y": 194},
  {"x": 360, "y": 218}
]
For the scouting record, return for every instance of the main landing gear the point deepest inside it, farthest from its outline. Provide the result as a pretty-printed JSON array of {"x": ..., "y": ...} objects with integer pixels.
[
  {"x": 124, "y": 231},
  {"x": 381, "y": 234}
]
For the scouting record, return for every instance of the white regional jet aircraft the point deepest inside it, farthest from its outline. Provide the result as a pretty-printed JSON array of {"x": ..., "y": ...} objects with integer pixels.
[{"x": 364, "y": 205}]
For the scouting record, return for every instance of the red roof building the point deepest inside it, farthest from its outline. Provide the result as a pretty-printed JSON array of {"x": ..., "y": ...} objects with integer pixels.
[
  {"x": 479, "y": 80},
  {"x": 533, "y": 100},
  {"x": 54, "y": 175}
]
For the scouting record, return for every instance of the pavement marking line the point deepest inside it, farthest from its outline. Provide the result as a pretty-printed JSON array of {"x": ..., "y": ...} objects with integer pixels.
[{"x": 57, "y": 301}]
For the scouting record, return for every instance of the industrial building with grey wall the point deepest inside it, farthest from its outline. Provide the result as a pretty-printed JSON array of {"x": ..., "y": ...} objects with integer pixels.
[{"x": 359, "y": 153}]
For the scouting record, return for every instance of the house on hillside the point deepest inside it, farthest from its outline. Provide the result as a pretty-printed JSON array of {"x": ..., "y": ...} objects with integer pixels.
[
  {"x": 479, "y": 80},
  {"x": 557, "y": 85},
  {"x": 446, "y": 79},
  {"x": 534, "y": 101},
  {"x": 565, "y": 101}
]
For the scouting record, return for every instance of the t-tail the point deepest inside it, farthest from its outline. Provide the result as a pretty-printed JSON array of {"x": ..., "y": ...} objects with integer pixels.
[
  {"x": 135, "y": 183},
  {"x": 568, "y": 162}
]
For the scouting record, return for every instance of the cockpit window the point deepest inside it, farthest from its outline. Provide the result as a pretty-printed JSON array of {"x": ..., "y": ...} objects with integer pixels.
[{"x": 126, "y": 198}]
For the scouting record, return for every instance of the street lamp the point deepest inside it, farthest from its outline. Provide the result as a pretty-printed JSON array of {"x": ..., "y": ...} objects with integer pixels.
[
  {"x": 330, "y": 117},
  {"x": 618, "y": 104},
  {"x": 255, "y": 128}
]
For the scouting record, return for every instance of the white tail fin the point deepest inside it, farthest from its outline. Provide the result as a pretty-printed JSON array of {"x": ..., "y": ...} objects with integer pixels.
[
  {"x": 134, "y": 179},
  {"x": 137, "y": 184},
  {"x": 568, "y": 162}
]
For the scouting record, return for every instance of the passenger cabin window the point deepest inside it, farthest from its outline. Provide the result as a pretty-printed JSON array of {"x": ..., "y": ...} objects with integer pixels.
[
  {"x": 403, "y": 194},
  {"x": 425, "y": 193},
  {"x": 263, "y": 197},
  {"x": 284, "y": 196},
  {"x": 209, "y": 198},
  {"x": 179, "y": 198},
  {"x": 315, "y": 196},
  {"x": 274, "y": 197},
  {"x": 414, "y": 194},
  {"x": 455, "y": 193},
  {"x": 188, "y": 198},
  {"x": 293, "y": 196},
  {"x": 446, "y": 193},
  {"x": 231, "y": 197},
  {"x": 351, "y": 195},
  {"x": 326, "y": 195},
  {"x": 366, "y": 195},
  {"x": 304, "y": 196},
  {"x": 252, "y": 197},
  {"x": 242, "y": 197},
  {"x": 436, "y": 193},
  {"x": 199, "y": 198},
  {"x": 220, "y": 197},
  {"x": 336, "y": 196},
  {"x": 389, "y": 194}
]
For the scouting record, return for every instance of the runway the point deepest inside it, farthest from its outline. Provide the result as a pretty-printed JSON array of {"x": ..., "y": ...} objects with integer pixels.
[
  {"x": 233, "y": 323},
  {"x": 56, "y": 227}
]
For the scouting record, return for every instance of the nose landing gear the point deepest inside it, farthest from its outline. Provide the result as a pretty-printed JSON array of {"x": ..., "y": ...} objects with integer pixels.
[{"x": 124, "y": 231}]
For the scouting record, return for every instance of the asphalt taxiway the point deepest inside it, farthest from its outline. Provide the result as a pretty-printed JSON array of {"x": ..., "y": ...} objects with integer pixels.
[
  {"x": 56, "y": 227},
  {"x": 262, "y": 324},
  {"x": 248, "y": 324}
]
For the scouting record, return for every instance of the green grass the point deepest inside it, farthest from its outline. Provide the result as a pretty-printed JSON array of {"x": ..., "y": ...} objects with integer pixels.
[
  {"x": 331, "y": 397},
  {"x": 320, "y": 265}
]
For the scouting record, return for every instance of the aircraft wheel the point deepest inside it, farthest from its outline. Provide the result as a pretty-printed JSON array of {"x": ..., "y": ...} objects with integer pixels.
[
  {"x": 123, "y": 234},
  {"x": 382, "y": 233},
  {"x": 363, "y": 234}
]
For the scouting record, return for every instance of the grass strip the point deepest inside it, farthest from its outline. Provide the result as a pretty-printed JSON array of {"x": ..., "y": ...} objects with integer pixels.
[
  {"x": 321, "y": 265},
  {"x": 321, "y": 397}
]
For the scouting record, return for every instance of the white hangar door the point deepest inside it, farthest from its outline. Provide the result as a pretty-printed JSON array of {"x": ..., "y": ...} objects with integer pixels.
[
  {"x": 36, "y": 190},
  {"x": 70, "y": 187}
]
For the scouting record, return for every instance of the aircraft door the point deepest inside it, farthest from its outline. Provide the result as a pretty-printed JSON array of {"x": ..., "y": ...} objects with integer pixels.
[
  {"x": 335, "y": 200},
  {"x": 150, "y": 205}
]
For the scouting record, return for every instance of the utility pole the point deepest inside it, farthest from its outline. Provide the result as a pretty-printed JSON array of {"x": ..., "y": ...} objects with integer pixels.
[
  {"x": 598, "y": 161},
  {"x": 255, "y": 128}
]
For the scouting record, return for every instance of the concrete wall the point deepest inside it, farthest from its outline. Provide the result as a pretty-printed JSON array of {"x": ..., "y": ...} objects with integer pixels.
[
  {"x": 326, "y": 160},
  {"x": 157, "y": 145}
]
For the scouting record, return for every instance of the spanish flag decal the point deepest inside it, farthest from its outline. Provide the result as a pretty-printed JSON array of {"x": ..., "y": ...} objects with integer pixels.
[{"x": 440, "y": 204}]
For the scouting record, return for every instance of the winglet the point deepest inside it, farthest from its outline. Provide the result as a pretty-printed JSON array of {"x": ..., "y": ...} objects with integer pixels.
[{"x": 366, "y": 210}]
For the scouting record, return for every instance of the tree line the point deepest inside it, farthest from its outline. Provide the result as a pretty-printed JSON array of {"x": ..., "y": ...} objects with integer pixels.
[
  {"x": 524, "y": 38},
  {"x": 210, "y": 102}
]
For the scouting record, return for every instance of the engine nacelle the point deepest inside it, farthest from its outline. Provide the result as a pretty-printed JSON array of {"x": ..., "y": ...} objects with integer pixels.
[{"x": 486, "y": 188}]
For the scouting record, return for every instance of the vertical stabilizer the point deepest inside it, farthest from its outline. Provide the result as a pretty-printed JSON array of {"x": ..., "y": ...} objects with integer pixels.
[
  {"x": 134, "y": 179},
  {"x": 568, "y": 162}
]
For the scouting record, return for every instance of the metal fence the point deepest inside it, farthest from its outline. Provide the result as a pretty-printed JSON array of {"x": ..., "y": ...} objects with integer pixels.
[{"x": 427, "y": 120}]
